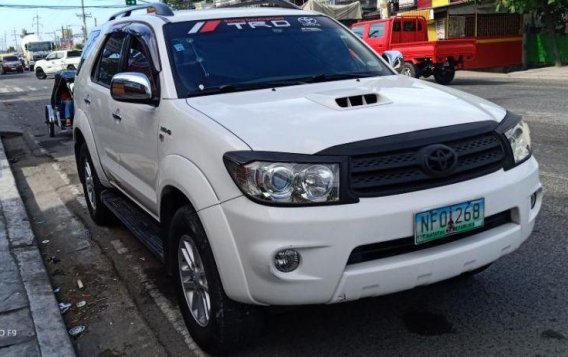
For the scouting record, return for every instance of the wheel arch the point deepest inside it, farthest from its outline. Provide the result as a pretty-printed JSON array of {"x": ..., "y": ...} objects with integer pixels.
[{"x": 82, "y": 134}]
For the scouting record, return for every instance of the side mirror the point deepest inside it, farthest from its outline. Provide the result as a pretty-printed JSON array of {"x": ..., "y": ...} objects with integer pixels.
[
  {"x": 395, "y": 59},
  {"x": 131, "y": 87}
]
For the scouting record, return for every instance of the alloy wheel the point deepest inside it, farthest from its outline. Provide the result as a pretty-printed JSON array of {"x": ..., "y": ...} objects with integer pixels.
[
  {"x": 193, "y": 280},
  {"x": 90, "y": 185}
]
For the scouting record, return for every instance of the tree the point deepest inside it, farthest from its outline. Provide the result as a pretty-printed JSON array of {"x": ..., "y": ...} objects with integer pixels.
[
  {"x": 179, "y": 4},
  {"x": 552, "y": 12}
]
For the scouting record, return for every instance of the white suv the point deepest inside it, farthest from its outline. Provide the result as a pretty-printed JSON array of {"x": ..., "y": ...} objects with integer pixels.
[
  {"x": 57, "y": 61},
  {"x": 269, "y": 157}
]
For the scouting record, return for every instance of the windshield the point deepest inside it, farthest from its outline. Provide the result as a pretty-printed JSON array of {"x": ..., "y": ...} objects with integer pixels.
[
  {"x": 215, "y": 56},
  {"x": 10, "y": 59},
  {"x": 40, "y": 46}
]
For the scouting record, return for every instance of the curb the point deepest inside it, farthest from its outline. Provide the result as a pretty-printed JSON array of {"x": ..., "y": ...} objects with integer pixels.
[{"x": 51, "y": 332}]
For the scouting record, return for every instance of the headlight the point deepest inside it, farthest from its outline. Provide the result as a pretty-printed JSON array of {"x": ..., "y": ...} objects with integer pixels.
[
  {"x": 520, "y": 141},
  {"x": 283, "y": 182},
  {"x": 282, "y": 179}
]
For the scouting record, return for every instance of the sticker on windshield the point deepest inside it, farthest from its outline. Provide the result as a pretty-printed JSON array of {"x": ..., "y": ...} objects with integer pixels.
[
  {"x": 270, "y": 23},
  {"x": 308, "y": 21}
]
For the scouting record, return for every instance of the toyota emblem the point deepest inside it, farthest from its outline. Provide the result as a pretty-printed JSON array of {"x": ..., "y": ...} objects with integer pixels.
[{"x": 439, "y": 160}]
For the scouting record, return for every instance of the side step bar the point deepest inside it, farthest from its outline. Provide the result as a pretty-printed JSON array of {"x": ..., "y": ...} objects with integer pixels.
[{"x": 144, "y": 227}]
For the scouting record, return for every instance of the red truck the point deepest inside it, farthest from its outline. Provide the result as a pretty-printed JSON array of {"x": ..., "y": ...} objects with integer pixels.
[{"x": 409, "y": 35}]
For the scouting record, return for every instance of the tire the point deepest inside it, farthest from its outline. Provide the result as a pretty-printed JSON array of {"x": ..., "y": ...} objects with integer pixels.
[
  {"x": 228, "y": 326},
  {"x": 51, "y": 128},
  {"x": 444, "y": 76},
  {"x": 40, "y": 74},
  {"x": 92, "y": 188},
  {"x": 408, "y": 69}
]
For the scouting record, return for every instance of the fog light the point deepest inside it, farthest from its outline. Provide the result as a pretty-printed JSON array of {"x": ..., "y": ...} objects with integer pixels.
[{"x": 287, "y": 260}]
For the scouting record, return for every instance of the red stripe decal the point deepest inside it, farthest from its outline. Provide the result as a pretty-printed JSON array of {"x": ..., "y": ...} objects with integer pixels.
[{"x": 210, "y": 26}]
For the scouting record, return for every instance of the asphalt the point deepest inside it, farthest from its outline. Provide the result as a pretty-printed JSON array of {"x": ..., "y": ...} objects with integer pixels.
[{"x": 516, "y": 307}]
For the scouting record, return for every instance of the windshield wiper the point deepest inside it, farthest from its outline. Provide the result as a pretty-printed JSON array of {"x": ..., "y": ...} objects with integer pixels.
[
  {"x": 239, "y": 87},
  {"x": 337, "y": 76}
]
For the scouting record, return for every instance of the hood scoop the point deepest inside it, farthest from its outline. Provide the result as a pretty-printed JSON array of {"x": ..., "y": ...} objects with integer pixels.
[
  {"x": 348, "y": 99},
  {"x": 357, "y": 100}
]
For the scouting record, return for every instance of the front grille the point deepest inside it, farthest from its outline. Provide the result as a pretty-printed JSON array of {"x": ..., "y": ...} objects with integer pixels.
[
  {"x": 374, "y": 251},
  {"x": 394, "y": 172}
]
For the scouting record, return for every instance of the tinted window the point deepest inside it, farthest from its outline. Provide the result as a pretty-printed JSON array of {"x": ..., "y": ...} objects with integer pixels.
[
  {"x": 91, "y": 40},
  {"x": 396, "y": 26},
  {"x": 109, "y": 58},
  {"x": 409, "y": 26},
  {"x": 10, "y": 59},
  {"x": 138, "y": 60},
  {"x": 358, "y": 31},
  {"x": 72, "y": 54},
  {"x": 377, "y": 31},
  {"x": 246, "y": 52}
]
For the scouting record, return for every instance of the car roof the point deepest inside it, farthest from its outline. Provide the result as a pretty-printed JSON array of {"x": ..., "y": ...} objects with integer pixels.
[{"x": 219, "y": 13}]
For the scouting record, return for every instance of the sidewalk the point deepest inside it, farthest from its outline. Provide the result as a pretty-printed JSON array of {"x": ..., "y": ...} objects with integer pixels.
[
  {"x": 545, "y": 73},
  {"x": 30, "y": 322}
]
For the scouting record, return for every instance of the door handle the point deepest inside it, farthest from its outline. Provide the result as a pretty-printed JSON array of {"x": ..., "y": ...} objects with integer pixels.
[
  {"x": 116, "y": 116},
  {"x": 87, "y": 100}
]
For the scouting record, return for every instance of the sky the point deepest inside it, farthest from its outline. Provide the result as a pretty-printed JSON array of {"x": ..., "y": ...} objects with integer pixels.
[{"x": 51, "y": 20}]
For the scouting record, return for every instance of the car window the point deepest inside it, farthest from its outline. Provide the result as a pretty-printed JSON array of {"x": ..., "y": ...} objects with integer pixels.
[
  {"x": 71, "y": 54},
  {"x": 60, "y": 55},
  {"x": 91, "y": 40},
  {"x": 377, "y": 31},
  {"x": 138, "y": 61},
  {"x": 396, "y": 26},
  {"x": 109, "y": 58},
  {"x": 208, "y": 56},
  {"x": 409, "y": 26},
  {"x": 51, "y": 56},
  {"x": 358, "y": 31},
  {"x": 10, "y": 59}
]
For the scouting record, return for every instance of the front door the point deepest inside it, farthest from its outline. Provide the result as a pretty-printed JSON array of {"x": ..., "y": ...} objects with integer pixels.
[
  {"x": 106, "y": 128},
  {"x": 137, "y": 126},
  {"x": 376, "y": 38}
]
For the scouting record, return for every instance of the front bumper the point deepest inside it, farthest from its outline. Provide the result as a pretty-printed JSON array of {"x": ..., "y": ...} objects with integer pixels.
[
  {"x": 245, "y": 236},
  {"x": 12, "y": 69}
]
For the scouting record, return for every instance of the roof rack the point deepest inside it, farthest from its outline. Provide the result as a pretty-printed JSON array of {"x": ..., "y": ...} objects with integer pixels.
[
  {"x": 262, "y": 3},
  {"x": 160, "y": 9}
]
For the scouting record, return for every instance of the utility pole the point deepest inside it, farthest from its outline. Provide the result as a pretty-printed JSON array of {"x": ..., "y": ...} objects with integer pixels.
[
  {"x": 84, "y": 17},
  {"x": 36, "y": 20},
  {"x": 15, "y": 39}
]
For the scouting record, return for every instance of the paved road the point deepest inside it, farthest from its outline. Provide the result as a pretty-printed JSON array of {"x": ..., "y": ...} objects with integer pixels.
[{"x": 516, "y": 307}]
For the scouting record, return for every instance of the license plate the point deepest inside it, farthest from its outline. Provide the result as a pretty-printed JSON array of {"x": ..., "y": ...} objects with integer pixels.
[{"x": 442, "y": 222}]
